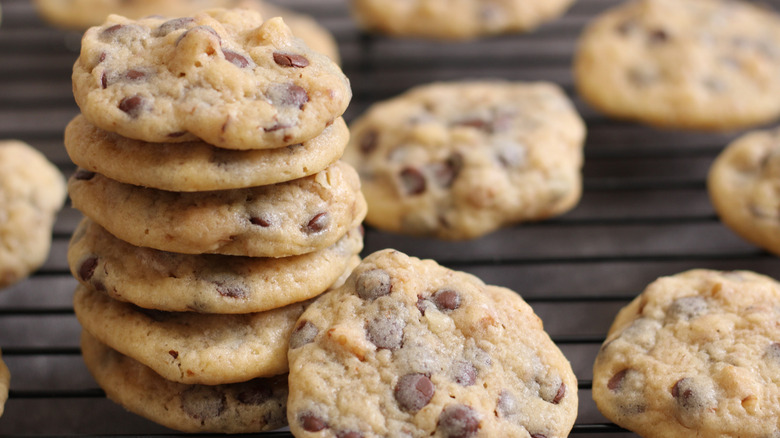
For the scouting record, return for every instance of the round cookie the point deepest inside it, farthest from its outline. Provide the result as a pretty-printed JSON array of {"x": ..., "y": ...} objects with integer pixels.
[
  {"x": 205, "y": 283},
  {"x": 5, "y": 380},
  {"x": 198, "y": 166},
  {"x": 704, "y": 64},
  {"x": 458, "y": 160},
  {"x": 455, "y": 19},
  {"x": 279, "y": 220},
  {"x": 32, "y": 190},
  {"x": 409, "y": 348},
  {"x": 192, "y": 348},
  {"x": 695, "y": 353},
  {"x": 744, "y": 186},
  {"x": 224, "y": 76},
  {"x": 253, "y": 406}
]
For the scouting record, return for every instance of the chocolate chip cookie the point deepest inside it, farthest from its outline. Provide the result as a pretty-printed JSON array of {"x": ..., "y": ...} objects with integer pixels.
[
  {"x": 5, "y": 380},
  {"x": 744, "y": 186},
  {"x": 277, "y": 220},
  {"x": 697, "y": 353},
  {"x": 245, "y": 407},
  {"x": 192, "y": 348},
  {"x": 224, "y": 76},
  {"x": 205, "y": 283},
  {"x": 409, "y": 348},
  {"x": 705, "y": 64},
  {"x": 459, "y": 160},
  {"x": 32, "y": 190},
  {"x": 198, "y": 166},
  {"x": 455, "y": 19}
]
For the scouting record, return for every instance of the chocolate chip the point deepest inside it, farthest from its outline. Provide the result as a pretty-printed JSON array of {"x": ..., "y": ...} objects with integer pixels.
[
  {"x": 373, "y": 284},
  {"x": 385, "y": 332},
  {"x": 658, "y": 36},
  {"x": 304, "y": 333},
  {"x": 110, "y": 31},
  {"x": 83, "y": 175},
  {"x": 289, "y": 95},
  {"x": 538, "y": 435},
  {"x": 104, "y": 80},
  {"x": 238, "y": 60},
  {"x": 290, "y": 60},
  {"x": 317, "y": 223},
  {"x": 203, "y": 402},
  {"x": 685, "y": 309},
  {"x": 369, "y": 141},
  {"x": 87, "y": 268},
  {"x": 421, "y": 304},
  {"x": 132, "y": 105},
  {"x": 616, "y": 380},
  {"x": 174, "y": 354},
  {"x": 683, "y": 391},
  {"x": 413, "y": 391},
  {"x": 560, "y": 394},
  {"x": 464, "y": 373},
  {"x": 311, "y": 422},
  {"x": 444, "y": 173},
  {"x": 773, "y": 352},
  {"x": 473, "y": 123},
  {"x": 349, "y": 434},
  {"x": 412, "y": 181},
  {"x": 446, "y": 299},
  {"x": 231, "y": 290},
  {"x": 207, "y": 29},
  {"x": 263, "y": 222},
  {"x": 257, "y": 392},
  {"x": 507, "y": 404},
  {"x": 176, "y": 134},
  {"x": 172, "y": 25},
  {"x": 458, "y": 421}
]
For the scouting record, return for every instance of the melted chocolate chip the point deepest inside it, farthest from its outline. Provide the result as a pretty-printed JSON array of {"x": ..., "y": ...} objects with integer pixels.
[
  {"x": 683, "y": 392},
  {"x": 311, "y": 422},
  {"x": 421, "y": 304},
  {"x": 373, "y": 284},
  {"x": 385, "y": 333},
  {"x": 238, "y": 60},
  {"x": 290, "y": 60},
  {"x": 231, "y": 290},
  {"x": 196, "y": 29},
  {"x": 174, "y": 354},
  {"x": 203, "y": 402},
  {"x": 560, "y": 394},
  {"x": 134, "y": 75},
  {"x": 87, "y": 268},
  {"x": 104, "y": 80},
  {"x": 444, "y": 173},
  {"x": 110, "y": 32},
  {"x": 464, "y": 373},
  {"x": 413, "y": 392},
  {"x": 412, "y": 181},
  {"x": 507, "y": 403},
  {"x": 304, "y": 333},
  {"x": 458, "y": 421},
  {"x": 369, "y": 141},
  {"x": 317, "y": 223},
  {"x": 258, "y": 392},
  {"x": 176, "y": 134},
  {"x": 658, "y": 36},
  {"x": 83, "y": 175},
  {"x": 685, "y": 309},
  {"x": 296, "y": 96},
  {"x": 171, "y": 25},
  {"x": 263, "y": 222},
  {"x": 446, "y": 299},
  {"x": 616, "y": 380},
  {"x": 773, "y": 352},
  {"x": 132, "y": 105}
]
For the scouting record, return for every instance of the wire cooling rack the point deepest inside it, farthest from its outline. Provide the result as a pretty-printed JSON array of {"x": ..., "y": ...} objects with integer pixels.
[{"x": 644, "y": 212}]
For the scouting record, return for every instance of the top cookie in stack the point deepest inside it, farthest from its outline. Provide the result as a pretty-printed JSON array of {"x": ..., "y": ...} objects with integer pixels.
[{"x": 209, "y": 150}]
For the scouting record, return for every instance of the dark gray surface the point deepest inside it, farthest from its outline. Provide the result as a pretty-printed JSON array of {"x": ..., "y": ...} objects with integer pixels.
[{"x": 644, "y": 213}]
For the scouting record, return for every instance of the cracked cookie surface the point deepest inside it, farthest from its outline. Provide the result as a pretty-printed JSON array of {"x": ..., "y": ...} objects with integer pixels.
[
  {"x": 409, "y": 348},
  {"x": 458, "y": 160},
  {"x": 245, "y": 407},
  {"x": 744, "y": 186},
  {"x": 703, "y": 64},
  {"x": 697, "y": 351},
  {"x": 279, "y": 220},
  {"x": 32, "y": 190},
  {"x": 223, "y": 76}
]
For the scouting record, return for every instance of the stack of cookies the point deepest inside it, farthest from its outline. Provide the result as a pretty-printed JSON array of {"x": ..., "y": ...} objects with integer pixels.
[{"x": 216, "y": 207}]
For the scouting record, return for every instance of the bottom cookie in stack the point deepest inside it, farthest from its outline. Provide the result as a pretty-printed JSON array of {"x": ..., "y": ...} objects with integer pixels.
[{"x": 254, "y": 405}]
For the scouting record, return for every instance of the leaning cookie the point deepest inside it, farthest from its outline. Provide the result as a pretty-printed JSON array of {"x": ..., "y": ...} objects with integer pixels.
[
  {"x": 252, "y": 406},
  {"x": 695, "y": 354},
  {"x": 409, "y": 348},
  {"x": 205, "y": 283},
  {"x": 458, "y": 160},
  {"x": 5, "y": 380},
  {"x": 454, "y": 19},
  {"x": 704, "y": 64},
  {"x": 198, "y": 166},
  {"x": 192, "y": 348},
  {"x": 32, "y": 190},
  {"x": 279, "y": 220},
  {"x": 224, "y": 76},
  {"x": 744, "y": 186}
]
